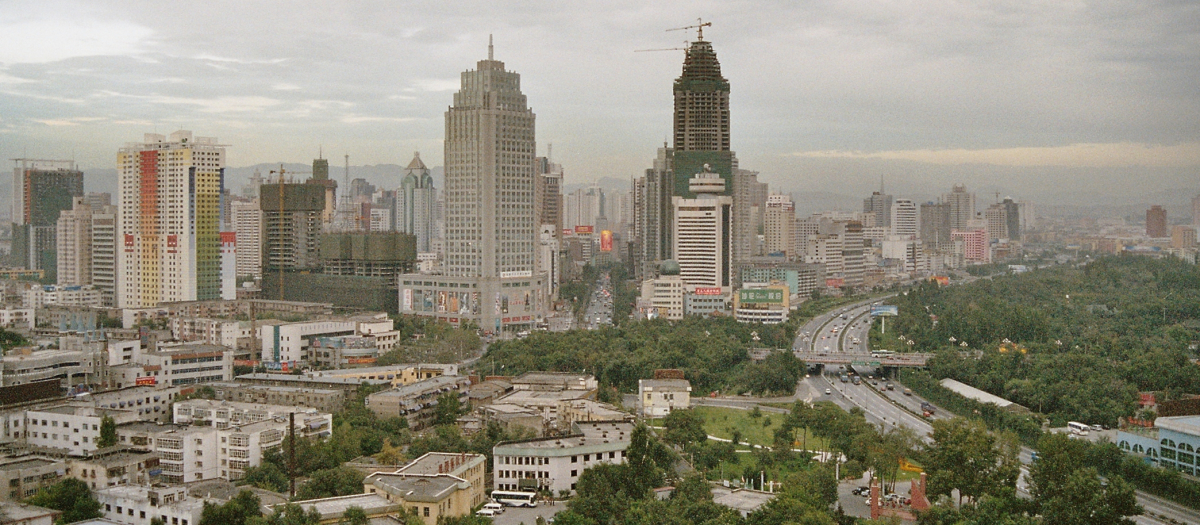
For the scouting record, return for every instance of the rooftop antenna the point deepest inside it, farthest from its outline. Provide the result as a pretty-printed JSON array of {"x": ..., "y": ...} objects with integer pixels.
[
  {"x": 699, "y": 27},
  {"x": 490, "y": 47}
]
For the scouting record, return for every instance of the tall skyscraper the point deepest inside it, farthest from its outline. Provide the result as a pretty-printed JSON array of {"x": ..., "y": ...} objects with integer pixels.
[
  {"x": 701, "y": 126},
  {"x": 415, "y": 203},
  {"x": 1156, "y": 222},
  {"x": 962, "y": 207},
  {"x": 42, "y": 189},
  {"x": 749, "y": 202},
  {"x": 703, "y": 240},
  {"x": 491, "y": 235},
  {"x": 170, "y": 212},
  {"x": 904, "y": 222},
  {"x": 291, "y": 225},
  {"x": 75, "y": 244}
]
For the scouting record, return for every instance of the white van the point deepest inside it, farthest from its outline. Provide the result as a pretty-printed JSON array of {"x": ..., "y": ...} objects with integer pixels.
[
  {"x": 486, "y": 513},
  {"x": 495, "y": 507}
]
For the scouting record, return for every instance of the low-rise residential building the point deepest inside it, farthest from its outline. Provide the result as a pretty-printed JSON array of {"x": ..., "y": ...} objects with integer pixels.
[
  {"x": 323, "y": 399},
  {"x": 348, "y": 386},
  {"x": 18, "y": 318},
  {"x": 138, "y": 504},
  {"x": 74, "y": 429},
  {"x": 150, "y": 403},
  {"x": 26, "y": 514},
  {"x": 26, "y": 365},
  {"x": 331, "y": 510},
  {"x": 416, "y": 402},
  {"x": 469, "y": 467},
  {"x": 292, "y": 342},
  {"x": 658, "y": 397},
  {"x": 226, "y": 414},
  {"x": 398, "y": 375},
  {"x": 580, "y": 410},
  {"x": 53, "y": 295},
  {"x": 547, "y": 402},
  {"x": 514, "y": 418},
  {"x": 223, "y": 332},
  {"x": 23, "y": 475},
  {"x": 431, "y": 496},
  {"x": 115, "y": 466},
  {"x": 554, "y": 382},
  {"x": 555, "y": 463},
  {"x": 173, "y": 365}
]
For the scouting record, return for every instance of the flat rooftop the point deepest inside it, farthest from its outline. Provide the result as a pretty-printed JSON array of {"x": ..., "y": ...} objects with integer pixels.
[
  {"x": 742, "y": 500},
  {"x": 675, "y": 384},
  {"x": 336, "y": 506},
  {"x": 1183, "y": 424},
  {"x": 541, "y": 397},
  {"x": 440, "y": 463},
  {"x": 416, "y": 487},
  {"x": 289, "y": 378},
  {"x": 27, "y": 463}
]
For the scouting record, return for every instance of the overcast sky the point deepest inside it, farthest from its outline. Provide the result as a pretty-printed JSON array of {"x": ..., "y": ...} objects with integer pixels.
[{"x": 1024, "y": 84}]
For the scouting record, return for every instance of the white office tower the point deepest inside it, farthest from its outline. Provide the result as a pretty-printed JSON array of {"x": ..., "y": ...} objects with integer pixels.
[
  {"x": 170, "y": 212},
  {"x": 491, "y": 237},
  {"x": 74, "y": 240},
  {"x": 416, "y": 203},
  {"x": 248, "y": 225},
  {"x": 703, "y": 232},
  {"x": 904, "y": 221},
  {"x": 583, "y": 206},
  {"x": 548, "y": 263},
  {"x": 779, "y": 225}
]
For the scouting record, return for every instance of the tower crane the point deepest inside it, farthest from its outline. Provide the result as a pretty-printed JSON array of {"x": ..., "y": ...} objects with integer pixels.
[
  {"x": 699, "y": 27},
  {"x": 687, "y": 45}
]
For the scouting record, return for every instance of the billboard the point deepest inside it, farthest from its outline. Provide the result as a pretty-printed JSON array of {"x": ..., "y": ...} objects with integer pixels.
[
  {"x": 151, "y": 380},
  {"x": 881, "y": 310},
  {"x": 708, "y": 291},
  {"x": 584, "y": 229},
  {"x": 606, "y": 240},
  {"x": 760, "y": 296}
]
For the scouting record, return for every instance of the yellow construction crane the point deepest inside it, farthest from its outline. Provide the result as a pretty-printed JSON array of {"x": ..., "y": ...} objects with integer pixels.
[
  {"x": 687, "y": 45},
  {"x": 699, "y": 27}
]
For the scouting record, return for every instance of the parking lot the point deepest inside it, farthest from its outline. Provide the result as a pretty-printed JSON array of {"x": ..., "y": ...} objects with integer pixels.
[{"x": 528, "y": 516}]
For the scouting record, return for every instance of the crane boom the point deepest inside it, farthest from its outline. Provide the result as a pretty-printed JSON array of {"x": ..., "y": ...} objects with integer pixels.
[{"x": 699, "y": 27}]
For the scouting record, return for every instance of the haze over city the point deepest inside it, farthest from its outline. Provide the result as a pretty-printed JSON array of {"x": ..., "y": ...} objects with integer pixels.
[{"x": 1049, "y": 102}]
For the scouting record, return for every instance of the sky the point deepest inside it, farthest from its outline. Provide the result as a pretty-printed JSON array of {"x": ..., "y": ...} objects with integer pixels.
[{"x": 1036, "y": 96}]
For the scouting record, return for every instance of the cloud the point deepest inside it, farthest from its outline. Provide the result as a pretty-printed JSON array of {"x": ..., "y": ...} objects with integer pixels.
[
  {"x": 41, "y": 36},
  {"x": 1075, "y": 155}
]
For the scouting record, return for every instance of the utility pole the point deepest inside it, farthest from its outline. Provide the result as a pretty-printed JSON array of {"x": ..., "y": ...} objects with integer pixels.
[{"x": 292, "y": 453}]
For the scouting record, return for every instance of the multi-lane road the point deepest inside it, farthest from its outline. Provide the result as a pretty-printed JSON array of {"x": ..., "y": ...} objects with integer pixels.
[{"x": 845, "y": 331}]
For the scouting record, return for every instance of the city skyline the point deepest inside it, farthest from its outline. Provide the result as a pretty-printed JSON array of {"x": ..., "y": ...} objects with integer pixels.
[{"x": 1029, "y": 94}]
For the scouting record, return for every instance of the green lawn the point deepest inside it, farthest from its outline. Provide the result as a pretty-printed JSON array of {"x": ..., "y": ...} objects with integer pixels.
[{"x": 722, "y": 422}]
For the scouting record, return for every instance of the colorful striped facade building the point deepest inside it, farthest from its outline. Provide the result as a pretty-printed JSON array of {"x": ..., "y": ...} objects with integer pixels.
[{"x": 169, "y": 243}]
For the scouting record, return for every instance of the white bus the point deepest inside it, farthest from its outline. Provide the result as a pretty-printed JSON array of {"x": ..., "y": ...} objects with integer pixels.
[
  {"x": 515, "y": 499},
  {"x": 1077, "y": 428}
]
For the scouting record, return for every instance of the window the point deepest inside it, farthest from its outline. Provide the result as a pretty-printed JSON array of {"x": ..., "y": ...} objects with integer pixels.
[
  {"x": 574, "y": 473},
  {"x": 426, "y": 512}
]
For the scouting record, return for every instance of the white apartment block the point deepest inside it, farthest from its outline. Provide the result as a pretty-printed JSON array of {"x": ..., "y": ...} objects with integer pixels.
[
  {"x": 779, "y": 224},
  {"x": 663, "y": 297},
  {"x": 555, "y": 463},
  {"x": 905, "y": 219},
  {"x": 74, "y": 244},
  {"x": 290, "y": 342},
  {"x": 222, "y": 332},
  {"x": 138, "y": 504},
  {"x": 169, "y": 243},
  {"x": 73, "y": 366},
  {"x": 61, "y": 295},
  {"x": 247, "y": 224},
  {"x": 104, "y": 253},
  {"x": 226, "y": 414},
  {"x": 73, "y": 429},
  {"x": 179, "y": 364},
  {"x": 659, "y": 397},
  {"x": 18, "y": 318}
]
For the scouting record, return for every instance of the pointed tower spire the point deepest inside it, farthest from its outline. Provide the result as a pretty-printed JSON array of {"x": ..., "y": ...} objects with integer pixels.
[{"x": 490, "y": 48}]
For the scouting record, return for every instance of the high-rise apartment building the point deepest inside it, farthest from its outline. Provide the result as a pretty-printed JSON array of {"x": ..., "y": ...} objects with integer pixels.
[
  {"x": 935, "y": 223},
  {"x": 170, "y": 213},
  {"x": 583, "y": 206},
  {"x": 1196, "y": 210},
  {"x": 491, "y": 236},
  {"x": 104, "y": 250},
  {"x": 74, "y": 242},
  {"x": 1003, "y": 221},
  {"x": 905, "y": 222},
  {"x": 703, "y": 236},
  {"x": 749, "y": 206},
  {"x": 320, "y": 177},
  {"x": 962, "y": 207},
  {"x": 779, "y": 224},
  {"x": 247, "y": 226},
  {"x": 415, "y": 203},
  {"x": 701, "y": 127},
  {"x": 42, "y": 189},
  {"x": 1156, "y": 222},
  {"x": 880, "y": 204}
]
